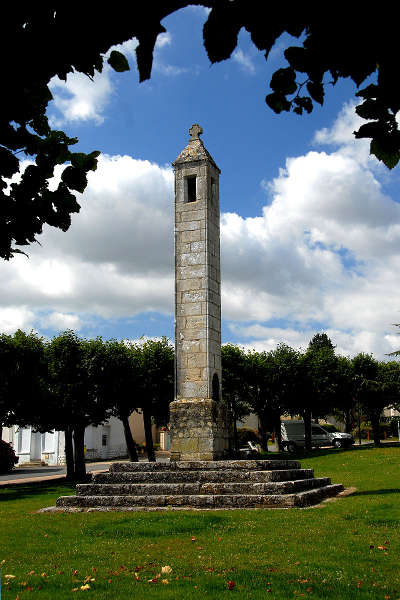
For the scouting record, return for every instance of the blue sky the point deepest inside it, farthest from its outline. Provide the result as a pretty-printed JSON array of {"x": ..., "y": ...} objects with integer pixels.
[{"x": 310, "y": 224}]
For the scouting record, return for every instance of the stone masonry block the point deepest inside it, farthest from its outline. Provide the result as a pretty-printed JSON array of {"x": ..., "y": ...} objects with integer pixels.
[
  {"x": 185, "y": 285},
  {"x": 191, "y": 308},
  {"x": 196, "y": 296},
  {"x": 191, "y": 258},
  {"x": 195, "y": 334},
  {"x": 190, "y": 346},
  {"x": 189, "y": 236},
  {"x": 196, "y": 360},
  {"x": 188, "y": 226},
  {"x": 197, "y": 246},
  {"x": 193, "y": 322},
  {"x": 194, "y": 389},
  {"x": 191, "y": 272},
  {"x": 194, "y": 215}
]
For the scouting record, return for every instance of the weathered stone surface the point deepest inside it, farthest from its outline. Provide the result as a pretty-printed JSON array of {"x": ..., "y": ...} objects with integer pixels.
[
  {"x": 207, "y": 484},
  {"x": 208, "y": 476}
]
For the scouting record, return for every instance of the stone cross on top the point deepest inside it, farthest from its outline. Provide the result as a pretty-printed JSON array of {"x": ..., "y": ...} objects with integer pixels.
[{"x": 195, "y": 131}]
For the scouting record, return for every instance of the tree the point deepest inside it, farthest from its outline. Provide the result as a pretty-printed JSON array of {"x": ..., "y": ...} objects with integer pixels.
[
  {"x": 346, "y": 385},
  {"x": 22, "y": 369},
  {"x": 234, "y": 385},
  {"x": 329, "y": 49},
  {"x": 121, "y": 376},
  {"x": 371, "y": 392},
  {"x": 316, "y": 382},
  {"x": 75, "y": 380},
  {"x": 156, "y": 386}
]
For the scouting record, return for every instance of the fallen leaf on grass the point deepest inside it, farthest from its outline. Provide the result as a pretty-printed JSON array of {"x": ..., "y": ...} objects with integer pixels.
[
  {"x": 165, "y": 581},
  {"x": 382, "y": 548},
  {"x": 193, "y": 539},
  {"x": 166, "y": 569},
  {"x": 85, "y": 587},
  {"x": 9, "y": 576},
  {"x": 230, "y": 585},
  {"x": 74, "y": 589}
]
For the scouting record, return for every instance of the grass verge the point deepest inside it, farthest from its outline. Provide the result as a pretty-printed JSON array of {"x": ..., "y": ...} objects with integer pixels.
[{"x": 347, "y": 549}]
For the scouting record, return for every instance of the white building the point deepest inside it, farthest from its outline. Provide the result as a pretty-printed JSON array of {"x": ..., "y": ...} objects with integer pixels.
[{"x": 105, "y": 441}]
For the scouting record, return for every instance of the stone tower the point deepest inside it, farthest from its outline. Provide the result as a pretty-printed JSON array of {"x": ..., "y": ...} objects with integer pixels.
[{"x": 200, "y": 424}]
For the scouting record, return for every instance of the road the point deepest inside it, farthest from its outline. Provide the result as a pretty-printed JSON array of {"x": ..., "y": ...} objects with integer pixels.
[{"x": 29, "y": 474}]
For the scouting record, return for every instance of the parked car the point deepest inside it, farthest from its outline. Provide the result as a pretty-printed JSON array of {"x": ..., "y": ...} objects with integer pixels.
[{"x": 293, "y": 436}]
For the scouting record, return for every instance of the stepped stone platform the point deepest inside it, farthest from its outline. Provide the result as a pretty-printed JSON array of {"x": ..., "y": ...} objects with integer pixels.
[{"x": 180, "y": 485}]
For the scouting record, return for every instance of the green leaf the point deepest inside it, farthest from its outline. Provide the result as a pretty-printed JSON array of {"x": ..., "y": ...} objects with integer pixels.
[
  {"x": 316, "y": 91},
  {"x": 388, "y": 156},
  {"x": 297, "y": 58},
  {"x": 86, "y": 162},
  {"x": 371, "y": 91},
  {"x": 372, "y": 109},
  {"x": 283, "y": 81},
  {"x": 278, "y": 102},
  {"x": 375, "y": 129},
  {"x": 9, "y": 163},
  {"x": 304, "y": 103},
  {"x": 118, "y": 61},
  {"x": 74, "y": 178}
]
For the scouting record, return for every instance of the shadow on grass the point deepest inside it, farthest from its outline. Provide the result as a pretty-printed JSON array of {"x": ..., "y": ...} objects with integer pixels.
[
  {"x": 377, "y": 492},
  {"x": 28, "y": 490}
]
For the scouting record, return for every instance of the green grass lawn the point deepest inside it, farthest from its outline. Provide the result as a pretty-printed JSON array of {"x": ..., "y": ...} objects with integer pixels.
[{"x": 348, "y": 548}]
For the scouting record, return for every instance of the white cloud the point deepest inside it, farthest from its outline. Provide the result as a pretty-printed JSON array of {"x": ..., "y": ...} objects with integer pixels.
[
  {"x": 244, "y": 60},
  {"x": 325, "y": 250},
  {"x": 116, "y": 259},
  {"x": 80, "y": 98},
  {"x": 61, "y": 321},
  {"x": 16, "y": 317}
]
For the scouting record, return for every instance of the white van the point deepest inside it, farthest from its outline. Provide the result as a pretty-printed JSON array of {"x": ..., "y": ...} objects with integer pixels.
[{"x": 293, "y": 436}]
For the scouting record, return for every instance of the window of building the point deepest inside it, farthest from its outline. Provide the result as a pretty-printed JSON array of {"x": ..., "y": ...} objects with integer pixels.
[{"x": 191, "y": 188}]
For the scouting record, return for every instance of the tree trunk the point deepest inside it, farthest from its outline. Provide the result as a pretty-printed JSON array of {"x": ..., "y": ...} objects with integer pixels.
[
  {"x": 130, "y": 443},
  {"x": 69, "y": 453},
  {"x": 235, "y": 433},
  {"x": 79, "y": 452},
  {"x": 375, "y": 429},
  {"x": 347, "y": 420},
  {"x": 149, "y": 436},
  {"x": 307, "y": 428},
  {"x": 278, "y": 432},
  {"x": 262, "y": 429}
]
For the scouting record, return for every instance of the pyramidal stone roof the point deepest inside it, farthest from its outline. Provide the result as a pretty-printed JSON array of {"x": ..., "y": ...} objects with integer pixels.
[{"x": 195, "y": 149}]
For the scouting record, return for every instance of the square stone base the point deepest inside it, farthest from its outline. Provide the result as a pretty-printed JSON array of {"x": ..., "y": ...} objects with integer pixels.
[{"x": 200, "y": 430}]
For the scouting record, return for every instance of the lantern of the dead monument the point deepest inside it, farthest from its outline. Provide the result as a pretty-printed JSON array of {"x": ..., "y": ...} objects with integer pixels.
[{"x": 200, "y": 424}]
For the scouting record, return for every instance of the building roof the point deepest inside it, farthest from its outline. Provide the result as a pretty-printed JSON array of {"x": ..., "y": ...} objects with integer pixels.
[{"x": 195, "y": 150}]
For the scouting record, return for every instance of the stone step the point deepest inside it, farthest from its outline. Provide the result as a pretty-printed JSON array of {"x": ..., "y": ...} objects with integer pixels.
[
  {"x": 229, "y": 475},
  {"x": 204, "y": 465},
  {"x": 211, "y": 501},
  {"x": 168, "y": 489}
]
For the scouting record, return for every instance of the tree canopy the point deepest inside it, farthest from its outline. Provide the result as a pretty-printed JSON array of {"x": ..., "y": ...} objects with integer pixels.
[{"x": 328, "y": 49}]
